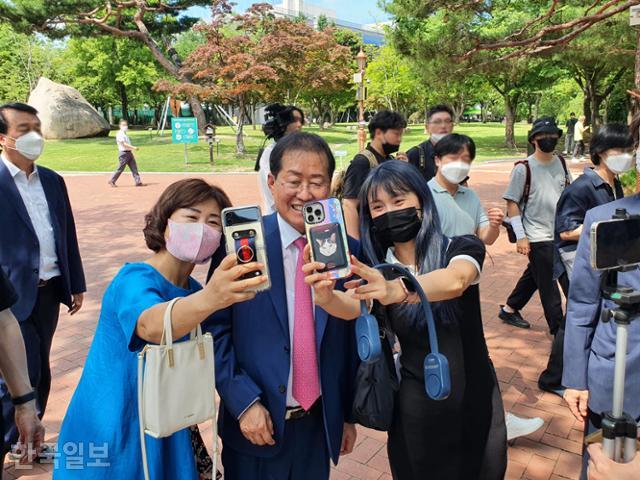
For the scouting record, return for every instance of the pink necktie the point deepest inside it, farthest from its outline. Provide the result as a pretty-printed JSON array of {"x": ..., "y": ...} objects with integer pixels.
[{"x": 306, "y": 382}]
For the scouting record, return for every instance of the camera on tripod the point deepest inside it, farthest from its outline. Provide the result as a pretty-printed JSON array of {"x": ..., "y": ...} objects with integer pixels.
[{"x": 615, "y": 248}]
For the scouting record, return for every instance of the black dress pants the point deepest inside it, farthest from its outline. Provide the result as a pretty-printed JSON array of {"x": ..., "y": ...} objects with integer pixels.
[{"x": 539, "y": 276}]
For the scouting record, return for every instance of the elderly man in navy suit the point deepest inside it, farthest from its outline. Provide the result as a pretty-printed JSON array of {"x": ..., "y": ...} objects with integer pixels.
[
  {"x": 38, "y": 248},
  {"x": 285, "y": 370},
  {"x": 590, "y": 344}
]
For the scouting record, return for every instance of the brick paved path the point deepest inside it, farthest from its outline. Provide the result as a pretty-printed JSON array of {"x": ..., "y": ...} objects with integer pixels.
[{"x": 109, "y": 223}]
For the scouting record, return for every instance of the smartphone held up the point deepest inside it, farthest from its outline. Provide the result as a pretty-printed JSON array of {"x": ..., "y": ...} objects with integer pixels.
[
  {"x": 327, "y": 236},
  {"x": 244, "y": 235}
]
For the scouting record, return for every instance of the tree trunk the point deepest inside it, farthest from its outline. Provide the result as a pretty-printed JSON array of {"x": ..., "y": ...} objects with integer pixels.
[
  {"x": 124, "y": 101},
  {"x": 510, "y": 107},
  {"x": 240, "y": 148}
]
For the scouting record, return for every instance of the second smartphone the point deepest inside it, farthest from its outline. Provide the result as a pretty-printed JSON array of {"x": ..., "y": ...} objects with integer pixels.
[
  {"x": 327, "y": 235},
  {"x": 244, "y": 235}
]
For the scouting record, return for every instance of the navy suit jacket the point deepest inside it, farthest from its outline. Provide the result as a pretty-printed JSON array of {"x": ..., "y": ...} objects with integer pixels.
[
  {"x": 589, "y": 343},
  {"x": 252, "y": 350},
  {"x": 19, "y": 246}
]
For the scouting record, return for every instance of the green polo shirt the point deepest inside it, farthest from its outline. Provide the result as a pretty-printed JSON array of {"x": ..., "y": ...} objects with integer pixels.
[{"x": 460, "y": 214}]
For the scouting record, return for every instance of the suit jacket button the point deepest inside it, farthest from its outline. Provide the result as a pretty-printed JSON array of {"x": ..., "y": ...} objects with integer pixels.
[
  {"x": 287, "y": 349},
  {"x": 282, "y": 389},
  {"x": 35, "y": 270}
]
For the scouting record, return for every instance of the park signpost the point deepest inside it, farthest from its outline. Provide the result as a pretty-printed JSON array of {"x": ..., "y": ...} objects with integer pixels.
[{"x": 184, "y": 130}]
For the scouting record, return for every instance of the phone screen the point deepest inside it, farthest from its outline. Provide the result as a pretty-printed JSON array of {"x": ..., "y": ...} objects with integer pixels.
[
  {"x": 241, "y": 216},
  {"x": 328, "y": 246},
  {"x": 617, "y": 243}
]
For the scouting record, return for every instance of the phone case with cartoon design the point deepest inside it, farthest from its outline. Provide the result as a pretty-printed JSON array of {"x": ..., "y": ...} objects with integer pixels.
[{"x": 327, "y": 235}]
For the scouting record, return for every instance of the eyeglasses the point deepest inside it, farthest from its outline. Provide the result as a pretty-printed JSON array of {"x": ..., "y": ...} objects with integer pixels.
[
  {"x": 298, "y": 187},
  {"x": 440, "y": 122}
]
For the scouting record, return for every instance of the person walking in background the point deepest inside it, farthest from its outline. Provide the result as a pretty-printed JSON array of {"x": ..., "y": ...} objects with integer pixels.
[
  {"x": 438, "y": 124},
  {"x": 533, "y": 193},
  {"x": 125, "y": 156},
  {"x": 569, "y": 135},
  {"x": 578, "y": 135},
  {"x": 13, "y": 368},
  {"x": 280, "y": 121},
  {"x": 38, "y": 248}
]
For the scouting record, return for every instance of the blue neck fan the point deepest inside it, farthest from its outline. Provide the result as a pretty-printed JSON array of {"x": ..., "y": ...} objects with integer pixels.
[{"x": 437, "y": 377}]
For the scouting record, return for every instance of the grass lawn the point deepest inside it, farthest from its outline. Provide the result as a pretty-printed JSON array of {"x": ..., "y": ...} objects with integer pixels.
[{"x": 158, "y": 154}]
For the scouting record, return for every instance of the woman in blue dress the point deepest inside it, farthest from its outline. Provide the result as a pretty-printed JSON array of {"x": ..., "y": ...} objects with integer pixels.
[{"x": 99, "y": 438}]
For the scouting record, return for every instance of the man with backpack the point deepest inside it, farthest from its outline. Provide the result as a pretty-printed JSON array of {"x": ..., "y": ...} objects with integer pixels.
[
  {"x": 386, "y": 129},
  {"x": 534, "y": 189}
]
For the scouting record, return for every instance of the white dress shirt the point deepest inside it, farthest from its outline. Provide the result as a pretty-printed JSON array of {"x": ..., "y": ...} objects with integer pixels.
[
  {"x": 288, "y": 235},
  {"x": 121, "y": 139},
  {"x": 268, "y": 205},
  {"x": 35, "y": 201}
]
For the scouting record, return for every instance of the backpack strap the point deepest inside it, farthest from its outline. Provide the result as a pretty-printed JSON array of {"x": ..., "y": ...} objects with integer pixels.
[
  {"x": 423, "y": 156},
  {"x": 373, "y": 161},
  {"x": 527, "y": 183},
  {"x": 567, "y": 181}
]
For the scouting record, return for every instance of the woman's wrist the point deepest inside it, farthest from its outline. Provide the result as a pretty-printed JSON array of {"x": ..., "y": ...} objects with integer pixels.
[{"x": 396, "y": 292}]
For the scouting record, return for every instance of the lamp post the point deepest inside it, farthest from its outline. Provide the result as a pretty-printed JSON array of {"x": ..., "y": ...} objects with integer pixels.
[{"x": 361, "y": 58}]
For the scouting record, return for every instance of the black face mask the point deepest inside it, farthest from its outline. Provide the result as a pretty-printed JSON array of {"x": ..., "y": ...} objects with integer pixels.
[
  {"x": 398, "y": 226},
  {"x": 547, "y": 145},
  {"x": 390, "y": 148}
]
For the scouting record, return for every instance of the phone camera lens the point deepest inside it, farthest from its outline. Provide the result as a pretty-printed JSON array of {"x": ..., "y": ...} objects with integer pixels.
[
  {"x": 318, "y": 213},
  {"x": 309, "y": 209},
  {"x": 310, "y": 218}
]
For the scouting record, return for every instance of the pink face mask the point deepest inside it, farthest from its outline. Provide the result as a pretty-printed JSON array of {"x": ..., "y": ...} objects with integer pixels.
[{"x": 192, "y": 242}]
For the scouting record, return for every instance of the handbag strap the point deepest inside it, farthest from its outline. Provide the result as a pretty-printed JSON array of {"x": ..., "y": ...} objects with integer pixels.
[{"x": 143, "y": 442}]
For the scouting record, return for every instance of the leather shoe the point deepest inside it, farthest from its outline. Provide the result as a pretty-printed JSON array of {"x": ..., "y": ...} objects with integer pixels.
[{"x": 514, "y": 318}]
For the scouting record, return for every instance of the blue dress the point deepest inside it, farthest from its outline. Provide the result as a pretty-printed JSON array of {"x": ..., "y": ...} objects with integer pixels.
[{"x": 100, "y": 438}]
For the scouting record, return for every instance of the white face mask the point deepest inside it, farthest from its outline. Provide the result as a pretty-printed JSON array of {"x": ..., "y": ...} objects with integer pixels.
[
  {"x": 436, "y": 137},
  {"x": 455, "y": 172},
  {"x": 619, "y": 163},
  {"x": 30, "y": 145}
]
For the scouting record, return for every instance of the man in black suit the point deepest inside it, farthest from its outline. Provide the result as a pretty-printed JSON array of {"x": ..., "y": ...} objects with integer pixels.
[{"x": 38, "y": 248}]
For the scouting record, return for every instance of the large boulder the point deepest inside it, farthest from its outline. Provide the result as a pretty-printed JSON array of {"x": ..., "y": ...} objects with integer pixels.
[{"x": 65, "y": 113}]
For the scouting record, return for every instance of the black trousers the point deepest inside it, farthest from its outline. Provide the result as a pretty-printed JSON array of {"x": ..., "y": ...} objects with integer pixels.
[
  {"x": 551, "y": 377},
  {"x": 37, "y": 331},
  {"x": 539, "y": 276}
]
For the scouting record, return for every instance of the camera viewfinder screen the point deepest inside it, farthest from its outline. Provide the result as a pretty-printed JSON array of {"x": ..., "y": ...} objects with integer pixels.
[
  {"x": 241, "y": 216},
  {"x": 618, "y": 243}
]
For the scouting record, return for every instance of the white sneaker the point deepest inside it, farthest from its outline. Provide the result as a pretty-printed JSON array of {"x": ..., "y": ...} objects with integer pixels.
[{"x": 520, "y": 427}]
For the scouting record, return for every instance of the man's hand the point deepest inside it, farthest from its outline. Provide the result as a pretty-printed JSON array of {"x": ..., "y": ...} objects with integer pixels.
[
  {"x": 349, "y": 435},
  {"x": 602, "y": 467},
  {"x": 31, "y": 431},
  {"x": 256, "y": 425},
  {"x": 523, "y": 247},
  {"x": 76, "y": 303},
  {"x": 402, "y": 157},
  {"x": 496, "y": 215},
  {"x": 577, "y": 401}
]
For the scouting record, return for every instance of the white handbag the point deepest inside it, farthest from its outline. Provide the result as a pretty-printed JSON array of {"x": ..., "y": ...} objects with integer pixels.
[{"x": 176, "y": 386}]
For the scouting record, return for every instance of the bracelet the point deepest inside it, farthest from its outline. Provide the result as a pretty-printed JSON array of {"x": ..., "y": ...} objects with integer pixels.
[{"x": 23, "y": 399}]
